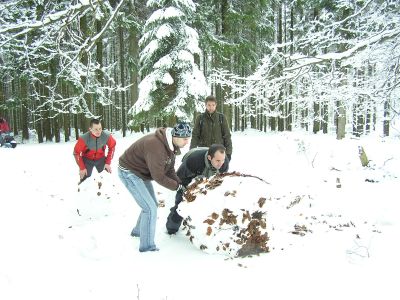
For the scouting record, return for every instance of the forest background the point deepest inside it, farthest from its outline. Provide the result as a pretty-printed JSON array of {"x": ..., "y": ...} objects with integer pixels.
[{"x": 274, "y": 65}]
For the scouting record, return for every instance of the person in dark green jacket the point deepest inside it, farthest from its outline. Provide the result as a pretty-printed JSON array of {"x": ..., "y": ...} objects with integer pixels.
[{"x": 211, "y": 127}]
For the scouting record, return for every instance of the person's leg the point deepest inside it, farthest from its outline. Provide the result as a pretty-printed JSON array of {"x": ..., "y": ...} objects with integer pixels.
[
  {"x": 148, "y": 216},
  {"x": 136, "y": 230},
  {"x": 89, "y": 164},
  {"x": 99, "y": 164},
  {"x": 174, "y": 220},
  {"x": 150, "y": 188}
]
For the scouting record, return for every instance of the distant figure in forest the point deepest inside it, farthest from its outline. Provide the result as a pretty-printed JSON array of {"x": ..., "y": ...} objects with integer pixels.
[
  {"x": 211, "y": 127},
  {"x": 6, "y": 139},
  {"x": 90, "y": 150},
  {"x": 4, "y": 128}
]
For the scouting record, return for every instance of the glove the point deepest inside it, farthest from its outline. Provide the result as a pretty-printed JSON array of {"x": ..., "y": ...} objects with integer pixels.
[
  {"x": 229, "y": 156},
  {"x": 181, "y": 189},
  {"x": 199, "y": 178}
]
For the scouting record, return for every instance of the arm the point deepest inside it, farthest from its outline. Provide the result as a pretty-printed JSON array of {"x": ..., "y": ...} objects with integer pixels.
[
  {"x": 193, "y": 166},
  {"x": 156, "y": 163},
  {"x": 111, "y": 149},
  {"x": 227, "y": 137},
  {"x": 185, "y": 174},
  {"x": 172, "y": 174},
  {"x": 78, "y": 150},
  {"x": 194, "y": 143}
]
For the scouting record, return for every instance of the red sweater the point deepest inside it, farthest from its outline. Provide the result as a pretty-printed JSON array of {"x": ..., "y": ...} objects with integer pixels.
[
  {"x": 4, "y": 127},
  {"x": 93, "y": 148}
]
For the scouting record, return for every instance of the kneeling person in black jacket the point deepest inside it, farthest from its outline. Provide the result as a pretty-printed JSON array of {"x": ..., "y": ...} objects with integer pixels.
[{"x": 203, "y": 162}]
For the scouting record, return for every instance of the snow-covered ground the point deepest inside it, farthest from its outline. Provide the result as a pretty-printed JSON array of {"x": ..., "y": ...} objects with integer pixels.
[{"x": 61, "y": 241}]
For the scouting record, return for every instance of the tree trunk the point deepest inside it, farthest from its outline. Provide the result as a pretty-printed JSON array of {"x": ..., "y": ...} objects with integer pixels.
[
  {"x": 133, "y": 68},
  {"x": 122, "y": 72},
  {"x": 87, "y": 98},
  {"x": 341, "y": 121},
  {"x": 99, "y": 73},
  {"x": 24, "y": 109},
  {"x": 39, "y": 131},
  {"x": 243, "y": 118},
  {"x": 386, "y": 120},
  {"x": 316, "y": 119},
  {"x": 67, "y": 131},
  {"x": 325, "y": 117},
  {"x": 290, "y": 111},
  {"x": 280, "y": 107},
  {"x": 56, "y": 127}
]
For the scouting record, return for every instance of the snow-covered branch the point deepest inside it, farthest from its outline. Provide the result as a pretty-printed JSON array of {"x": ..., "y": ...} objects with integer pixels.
[
  {"x": 93, "y": 40},
  {"x": 303, "y": 61},
  {"x": 353, "y": 59},
  {"x": 16, "y": 30}
]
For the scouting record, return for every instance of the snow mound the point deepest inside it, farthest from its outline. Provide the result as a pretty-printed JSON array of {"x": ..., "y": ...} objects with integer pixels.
[
  {"x": 93, "y": 198},
  {"x": 226, "y": 214}
]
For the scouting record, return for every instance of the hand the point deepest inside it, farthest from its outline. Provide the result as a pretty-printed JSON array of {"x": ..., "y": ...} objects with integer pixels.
[
  {"x": 82, "y": 173},
  {"x": 107, "y": 167},
  {"x": 181, "y": 188},
  {"x": 199, "y": 178}
]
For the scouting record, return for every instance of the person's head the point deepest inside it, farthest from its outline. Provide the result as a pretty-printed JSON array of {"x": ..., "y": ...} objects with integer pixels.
[
  {"x": 216, "y": 155},
  {"x": 181, "y": 134},
  {"x": 2, "y": 120},
  {"x": 211, "y": 104},
  {"x": 95, "y": 127}
]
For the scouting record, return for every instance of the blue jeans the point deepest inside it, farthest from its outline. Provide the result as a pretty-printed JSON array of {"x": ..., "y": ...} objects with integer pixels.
[{"x": 143, "y": 193}]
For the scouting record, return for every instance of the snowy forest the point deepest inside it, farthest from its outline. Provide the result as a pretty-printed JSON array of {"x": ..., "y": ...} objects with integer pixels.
[{"x": 328, "y": 66}]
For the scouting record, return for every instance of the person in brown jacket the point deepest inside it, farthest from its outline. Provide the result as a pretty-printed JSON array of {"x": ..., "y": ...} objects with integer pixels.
[{"x": 152, "y": 157}]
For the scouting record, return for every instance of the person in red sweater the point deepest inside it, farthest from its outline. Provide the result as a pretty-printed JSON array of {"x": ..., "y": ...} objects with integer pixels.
[
  {"x": 4, "y": 128},
  {"x": 90, "y": 150}
]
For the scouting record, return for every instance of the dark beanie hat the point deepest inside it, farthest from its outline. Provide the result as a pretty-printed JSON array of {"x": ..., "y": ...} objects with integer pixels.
[{"x": 182, "y": 130}]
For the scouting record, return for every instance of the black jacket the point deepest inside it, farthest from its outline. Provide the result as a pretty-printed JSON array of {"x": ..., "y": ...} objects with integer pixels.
[{"x": 196, "y": 163}]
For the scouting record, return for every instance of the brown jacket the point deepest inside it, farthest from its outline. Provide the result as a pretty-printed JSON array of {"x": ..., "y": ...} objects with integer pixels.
[{"x": 151, "y": 158}]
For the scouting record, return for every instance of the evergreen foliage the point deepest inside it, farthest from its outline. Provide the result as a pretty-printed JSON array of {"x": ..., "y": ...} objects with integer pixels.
[
  {"x": 329, "y": 65},
  {"x": 172, "y": 84}
]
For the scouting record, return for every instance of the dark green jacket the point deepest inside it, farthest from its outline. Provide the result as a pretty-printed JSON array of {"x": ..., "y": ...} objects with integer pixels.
[{"x": 211, "y": 131}]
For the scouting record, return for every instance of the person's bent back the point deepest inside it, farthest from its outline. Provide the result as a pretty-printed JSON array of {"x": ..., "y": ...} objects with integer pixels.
[{"x": 198, "y": 162}]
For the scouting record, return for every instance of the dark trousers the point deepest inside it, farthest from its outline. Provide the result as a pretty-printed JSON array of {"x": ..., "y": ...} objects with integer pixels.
[
  {"x": 174, "y": 220},
  {"x": 90, "y": 164}
]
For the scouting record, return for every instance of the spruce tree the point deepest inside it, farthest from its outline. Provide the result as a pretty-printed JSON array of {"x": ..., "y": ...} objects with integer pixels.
[{"x": 173, "y": 85}]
